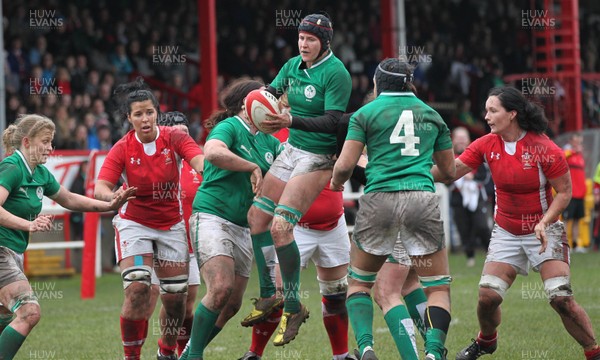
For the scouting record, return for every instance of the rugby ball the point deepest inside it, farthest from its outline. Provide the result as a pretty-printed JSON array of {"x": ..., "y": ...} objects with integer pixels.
[{"x": 258, "y": 104}]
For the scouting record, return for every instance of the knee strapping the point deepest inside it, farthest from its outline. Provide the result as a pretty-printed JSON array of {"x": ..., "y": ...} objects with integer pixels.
[
  {"x": 22, "y": 299},
  {"x": 288, "y": 214},
  {"x": 333, "y": 287},
  {"x": 139, "y": 273},
  {"x": 437, "y": 280},
  {"x": 265, "y": 204},
  {"x": 361, "y": 275},
  {"x": 558, "y": 286},
  {"x": 334, "y": 296},
  {"x": 174, "y": 284},
  {"x": 494, "y": 283}
]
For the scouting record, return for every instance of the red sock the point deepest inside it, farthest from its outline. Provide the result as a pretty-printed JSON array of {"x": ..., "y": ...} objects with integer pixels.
[
  {"x": 335, "y": 318},
  {"x": 593, "y": 354},
  {"x": 184, "y": 334},
  {"x": 487, "y": 340},
  {"x": 133, "y": 334},
  {"x": 166, "y": 349},
  {"x": 261, "y": 333}
]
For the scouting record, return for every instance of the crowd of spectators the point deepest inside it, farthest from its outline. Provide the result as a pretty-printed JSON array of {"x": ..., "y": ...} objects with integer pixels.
[{"x": 64, "y": 58}]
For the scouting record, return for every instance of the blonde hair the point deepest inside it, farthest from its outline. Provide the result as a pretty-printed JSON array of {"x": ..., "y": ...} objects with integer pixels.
[{"x": 27, "y": 125}]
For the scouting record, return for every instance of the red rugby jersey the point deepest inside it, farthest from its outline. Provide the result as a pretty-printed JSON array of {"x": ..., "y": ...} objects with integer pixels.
[
  {"x": 520, "y": 171},
  {"x": 325, "y": 212},
  {"x": 577, "y": 167},
  {"x": 154, "y": 169}
]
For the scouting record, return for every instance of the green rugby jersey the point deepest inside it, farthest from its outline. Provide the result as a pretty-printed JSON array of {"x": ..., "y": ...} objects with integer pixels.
[
  {"x": 325, "y": 86},
  {"x": 228, "y": 194},
  {"x": 401, "y": 133},
  {"x": 26, "y": 189}
]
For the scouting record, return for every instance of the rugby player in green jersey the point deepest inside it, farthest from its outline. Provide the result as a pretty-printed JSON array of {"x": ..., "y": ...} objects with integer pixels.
[
  {"x": 237, "y": 155},
  {"x": 24, "y": 181},
  {"x": 402, "y": 135},
  {"x": 318, "y": 86}
]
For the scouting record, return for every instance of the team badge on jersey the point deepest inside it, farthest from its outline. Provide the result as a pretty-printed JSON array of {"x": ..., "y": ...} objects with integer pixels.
[
  {"x": 39, "y": 192},
  {"x": 526, "y": 159},
  {"x": 310, "y": 92},
  {"x": 269, "y": 158},
  {"x": 166, "y": 153},
  {"x": 195, "y": 180}
]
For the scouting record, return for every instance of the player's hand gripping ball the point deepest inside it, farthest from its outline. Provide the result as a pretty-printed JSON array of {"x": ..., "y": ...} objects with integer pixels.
[{"x": 257, "y": 105}]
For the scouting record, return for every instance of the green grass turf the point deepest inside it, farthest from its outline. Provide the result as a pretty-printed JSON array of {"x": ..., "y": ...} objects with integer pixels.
[{"x": 74, "y": 329}]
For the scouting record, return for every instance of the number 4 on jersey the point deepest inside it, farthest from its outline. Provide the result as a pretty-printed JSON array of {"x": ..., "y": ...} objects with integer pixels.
[{"x": 408, "y": 139}]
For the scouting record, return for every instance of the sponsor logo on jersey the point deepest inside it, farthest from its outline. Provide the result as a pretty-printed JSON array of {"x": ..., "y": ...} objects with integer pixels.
[
  {"x": 24, "y": 191},
  {"x": 135, "y": 161},
  {"x": 494, "y": 156},
  {"x": 310, "y": 92},
  {"x": 242, "y": 147}
]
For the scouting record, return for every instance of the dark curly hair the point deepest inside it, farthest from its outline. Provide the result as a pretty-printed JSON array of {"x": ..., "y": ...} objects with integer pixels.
[
  {"x": 232, "y": 100},
  {"x": 530, "y": 116}
]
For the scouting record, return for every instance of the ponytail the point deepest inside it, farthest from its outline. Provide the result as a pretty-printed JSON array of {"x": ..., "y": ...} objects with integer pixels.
[
  {"x": 8, "y": 139},
  {"x": 535, "y": 120}
]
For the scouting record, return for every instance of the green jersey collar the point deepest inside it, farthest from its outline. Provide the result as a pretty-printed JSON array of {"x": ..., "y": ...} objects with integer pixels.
[
  {"x": 244, "y": 123},
  {"x": 24, "y": 161},
  {"x": 397, "y": 93}
]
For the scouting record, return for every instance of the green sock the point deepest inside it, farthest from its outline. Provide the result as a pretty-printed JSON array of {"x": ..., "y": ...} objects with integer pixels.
[
  {"x": 437, "y": 324},
  {"x": 186, "y": 352},
  {"x": 403, "y": 331},
  {"x": 263, "y": 247},
  {"x": 415, "y": 302},
  {"x": 289, "y": 264},
  {"x": 215, "y": 331},
  {"x": 360, "y": 313},
  {"x": 204, "y": 323},
  {"x": 5, "y": 320},
  {"x": 434, "y": 343},
  {"x": 10, "y": 342}
]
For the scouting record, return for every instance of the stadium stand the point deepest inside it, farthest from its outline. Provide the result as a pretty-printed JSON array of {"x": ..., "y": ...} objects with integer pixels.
[{"x": 68, "y": 72}]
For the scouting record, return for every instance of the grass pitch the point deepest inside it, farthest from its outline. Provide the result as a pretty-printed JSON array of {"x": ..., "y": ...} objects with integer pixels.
[{"x": 75, "y": 329}]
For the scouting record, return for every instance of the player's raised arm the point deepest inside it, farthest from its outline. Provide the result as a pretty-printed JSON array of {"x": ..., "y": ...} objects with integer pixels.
[{"x": 77, "y": 202}]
